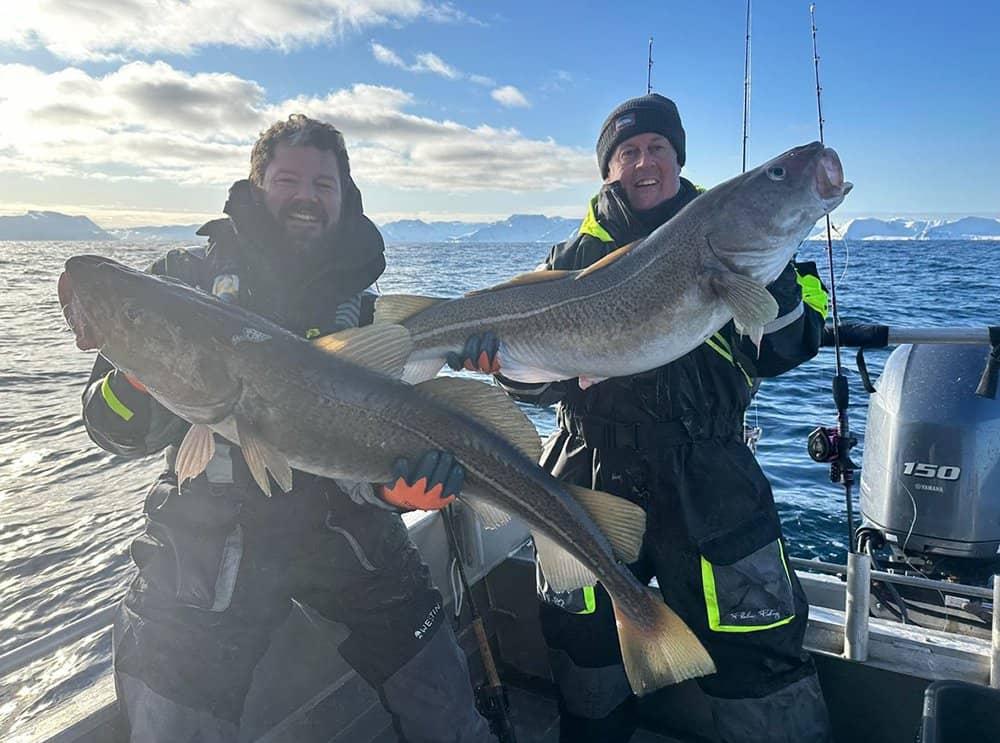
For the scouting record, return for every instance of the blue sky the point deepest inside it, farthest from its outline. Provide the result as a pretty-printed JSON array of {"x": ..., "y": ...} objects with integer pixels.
[{"x": 141, "y": 113}]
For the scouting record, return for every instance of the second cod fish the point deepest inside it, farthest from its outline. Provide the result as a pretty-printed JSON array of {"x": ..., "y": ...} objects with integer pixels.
[
  {"x": 335, "y": 407},
  {"x": 645, "y": 304}
]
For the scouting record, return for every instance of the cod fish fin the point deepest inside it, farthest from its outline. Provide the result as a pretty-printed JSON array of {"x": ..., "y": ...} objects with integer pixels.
[
  {"x": 195, "y": 452},
  {"x": 382, "y": 348},
  {"x": 751, "y": 304},
  {"x": 490, "y": 516},
  {"x": 661, "y": 652},
  {"x": 416, "y": 372},
  {"x": 261, "y": 458},
  {"x": 490, "y": 406},
  {"x": 562, "y": 571},
  {"x": 607, "y": 260},
  {"x": 394, "y": 308},
  {"x": 533, "y": 277},
  {"x": 621, "y": 521},
  {"x": 756, "y": 335}
]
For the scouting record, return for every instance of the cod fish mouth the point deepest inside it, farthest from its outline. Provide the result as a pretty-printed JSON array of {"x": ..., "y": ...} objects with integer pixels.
[
  {"x": 830, "y": 182},
  {"x": 76, "y": 317}
]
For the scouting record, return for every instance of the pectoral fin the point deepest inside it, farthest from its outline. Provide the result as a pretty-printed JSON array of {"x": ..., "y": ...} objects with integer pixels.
[
  {"x": 752, "y": 305},
  {"x": 195, "y": 452},
  {"x": 261, "y": 458}
]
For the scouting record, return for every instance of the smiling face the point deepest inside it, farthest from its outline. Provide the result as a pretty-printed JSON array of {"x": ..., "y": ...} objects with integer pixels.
[
  {"x": 646, "y": 165},
  {"x": 302, "y": 191}
]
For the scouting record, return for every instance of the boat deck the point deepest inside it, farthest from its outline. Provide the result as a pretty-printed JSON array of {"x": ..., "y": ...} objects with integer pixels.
[{"x": 304, "y": 692}]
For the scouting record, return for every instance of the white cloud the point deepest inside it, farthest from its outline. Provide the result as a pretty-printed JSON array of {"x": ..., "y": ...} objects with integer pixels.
[
  {"x": 387, "y": 56},
  {"x": 510, "y": 96},
  {"x": 113, "y": 29},
  {"x": 433, "y": 63},
  {"x": 152, "y": 122},
  {"x": 426, "y": 62}
]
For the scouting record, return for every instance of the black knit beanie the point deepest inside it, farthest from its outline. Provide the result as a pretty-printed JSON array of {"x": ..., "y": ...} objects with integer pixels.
[{"x": 649, "y": 113}]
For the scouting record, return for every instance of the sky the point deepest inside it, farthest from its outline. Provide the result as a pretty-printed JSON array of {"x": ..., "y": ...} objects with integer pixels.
[{"x": 135, "y": 112}]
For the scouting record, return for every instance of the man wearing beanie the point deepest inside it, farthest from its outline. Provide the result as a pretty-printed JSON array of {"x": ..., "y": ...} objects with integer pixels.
[{"x": 671, "y": 440}]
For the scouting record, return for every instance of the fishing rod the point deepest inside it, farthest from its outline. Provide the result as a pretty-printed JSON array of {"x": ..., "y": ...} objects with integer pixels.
[
  {"x": 751, "y": 434},
  {"x": 833, "y": 445},
  {"x": 649, "y": 68},
  {"x": 746, "y": 91},
  {"x": 491, "y": 697}
]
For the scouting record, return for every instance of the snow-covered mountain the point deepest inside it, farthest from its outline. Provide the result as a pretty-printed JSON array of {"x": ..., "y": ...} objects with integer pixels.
[
  {"x": 416, "y": 230},
  {"x": 41, "y": 225},
  {"x": 166, "y": 233},
  {"x": 525, "y": 228},
  {"x": 518, "y": 228},
  {"x": 870, "y": 228}
]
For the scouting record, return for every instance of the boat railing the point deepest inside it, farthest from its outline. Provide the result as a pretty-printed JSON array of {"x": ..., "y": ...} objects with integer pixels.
[
  {"x": 858, "y": 590},
  {"x": 857, "y": 607}
]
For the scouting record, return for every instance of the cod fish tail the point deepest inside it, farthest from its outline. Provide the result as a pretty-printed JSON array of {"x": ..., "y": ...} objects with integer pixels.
[{"x": 661, "y": 652}]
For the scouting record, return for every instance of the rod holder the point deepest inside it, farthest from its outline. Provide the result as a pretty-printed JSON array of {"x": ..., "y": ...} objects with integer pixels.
[
  {"x": 995, "y": 636},
  {"x": 858, "y": 605}
]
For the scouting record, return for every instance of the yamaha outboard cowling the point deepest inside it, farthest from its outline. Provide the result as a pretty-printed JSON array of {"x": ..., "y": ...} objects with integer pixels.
[{"x": 930, "y": 478}]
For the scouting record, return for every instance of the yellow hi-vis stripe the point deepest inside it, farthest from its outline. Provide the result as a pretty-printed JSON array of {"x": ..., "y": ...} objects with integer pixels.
[
  {"x": 589, "y": 600},
  {"x": 592, "y": 227},
  {"x": 116, "y": 405},
  {"x": 813, "y": 293},
  {"x": 719, "y": 344}
]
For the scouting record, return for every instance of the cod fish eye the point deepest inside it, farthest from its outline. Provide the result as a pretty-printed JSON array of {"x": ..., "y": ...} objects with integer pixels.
[
  {"x": 131, "y": 312},
  {"x": 776, "y": 173}
]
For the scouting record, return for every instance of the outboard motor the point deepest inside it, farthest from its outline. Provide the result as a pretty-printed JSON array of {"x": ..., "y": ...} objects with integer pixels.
[{"x": 930, "y": 477}]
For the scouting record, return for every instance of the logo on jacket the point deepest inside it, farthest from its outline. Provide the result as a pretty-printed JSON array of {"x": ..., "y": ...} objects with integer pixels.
[
  {"x": 428, "y": 623},
  {"x": 227, "y": 288}
]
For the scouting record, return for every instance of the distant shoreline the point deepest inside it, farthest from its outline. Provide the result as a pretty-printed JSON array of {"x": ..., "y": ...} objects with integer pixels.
[{"x": 518, "y": 228}]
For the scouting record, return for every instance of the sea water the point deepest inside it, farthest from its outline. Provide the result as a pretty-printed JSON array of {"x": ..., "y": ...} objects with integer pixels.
[{"x": 69, "y": 510}]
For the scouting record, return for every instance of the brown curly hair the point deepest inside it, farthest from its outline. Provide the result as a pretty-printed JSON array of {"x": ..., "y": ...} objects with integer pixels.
[{"x": 298, "y": 131}]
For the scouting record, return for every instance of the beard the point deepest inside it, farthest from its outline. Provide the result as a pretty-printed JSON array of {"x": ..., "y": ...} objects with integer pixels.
[{"x": 304, "y": 237}]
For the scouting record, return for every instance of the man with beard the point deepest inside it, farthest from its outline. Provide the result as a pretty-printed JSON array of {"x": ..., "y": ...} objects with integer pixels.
[
  {"x": 671, "y": 440},
  {"x": 219, "y": 562}
]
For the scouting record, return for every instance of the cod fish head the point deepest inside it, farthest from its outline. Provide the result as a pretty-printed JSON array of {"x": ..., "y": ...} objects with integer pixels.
[
  {"x": 158, "y": 330},
  {"x": 755, "y": 222}
]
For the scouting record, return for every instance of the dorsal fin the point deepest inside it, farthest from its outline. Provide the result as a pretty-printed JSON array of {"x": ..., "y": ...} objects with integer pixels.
[
  {"x": 490, "y": 406},
  {"x": 383, "y": 348},
  {"x": 608, "y": 259},
  {"x": 394, "y": 308},
  {"x": 621, "y": 520},
  {"x": 533, "y": 277}
]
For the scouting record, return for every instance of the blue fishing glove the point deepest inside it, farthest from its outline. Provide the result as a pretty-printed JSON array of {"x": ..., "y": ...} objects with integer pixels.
[
  {"x": 479, "y": 354},
  {"x": 431, "y": 485}
]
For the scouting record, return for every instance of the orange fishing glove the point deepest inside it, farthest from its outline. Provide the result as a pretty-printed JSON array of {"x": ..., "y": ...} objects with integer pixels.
[
  {"x": 479, "y": 354},
  {"x": 429, "y": 486},
  {"x": 135, "y": 382}
]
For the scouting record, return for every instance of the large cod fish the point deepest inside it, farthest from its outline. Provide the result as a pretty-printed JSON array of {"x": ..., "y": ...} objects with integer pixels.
[
  {"x": 335, "y": 407},
  {"x": 647, "y": 303}
]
